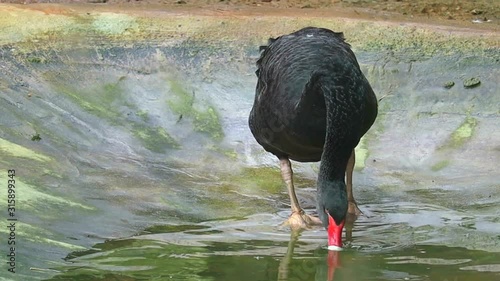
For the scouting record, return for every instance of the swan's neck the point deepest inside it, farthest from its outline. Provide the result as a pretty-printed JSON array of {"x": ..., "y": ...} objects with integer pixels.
[
  {"x": 340, "y": 139},
  {"x": 333, "y": 162}
]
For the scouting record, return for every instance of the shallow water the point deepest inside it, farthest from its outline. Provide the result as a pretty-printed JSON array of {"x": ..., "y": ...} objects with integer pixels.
[
  {"x": 149, "y": 260},
  {"x": 392, "y": 241}
]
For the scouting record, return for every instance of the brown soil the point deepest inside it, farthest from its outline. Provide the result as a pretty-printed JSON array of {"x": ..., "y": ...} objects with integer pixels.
[{"x": 479, "y": 12}]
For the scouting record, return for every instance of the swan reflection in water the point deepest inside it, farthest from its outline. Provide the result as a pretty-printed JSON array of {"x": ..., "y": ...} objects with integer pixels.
[{"x": 323, "y": 270}]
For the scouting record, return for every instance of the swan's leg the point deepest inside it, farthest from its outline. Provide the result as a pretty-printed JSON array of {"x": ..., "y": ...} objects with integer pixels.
[
  {"x": 298, "y": 219},
  {"x": 353, "y": 206}
]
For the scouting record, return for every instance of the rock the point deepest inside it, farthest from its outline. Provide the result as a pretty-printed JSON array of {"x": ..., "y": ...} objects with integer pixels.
[
  {"x": 471, "y": 82},
  {"x": 476, "y": 12},
  {"x": 449, "y": 84},
  {"x": 36, "y": 137}
]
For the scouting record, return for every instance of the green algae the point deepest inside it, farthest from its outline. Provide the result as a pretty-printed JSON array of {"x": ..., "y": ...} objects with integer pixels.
[
  {"x": 41, "y": 236},
  {"x": 361, "y": 154},
  {"x": 95, "y": 101},
  {"x": 155, "y": 139},
  {"x": 184, "y": 101},
  {"x": 113, "y": 23},
  {"x": 440, "y": 165},
  {"x": 462, "y": 134},
  {"x": 207, "y": 121},
  {"x": 361, "y": 151},
  {"x": 143, "y": 115},
  {"x": 236, "y": 197},
  {"x": 12, "y": 149},
  {"x": 36, "y": 59},
  {"x": 111, "y": 92},
  {"x": 30, "y": 198},
  {"x": 230, "y": 153},
  {"x": 19, "y": 24},
  {"x": 52, "y": 173},
  {"x": 265, "y": 179}
]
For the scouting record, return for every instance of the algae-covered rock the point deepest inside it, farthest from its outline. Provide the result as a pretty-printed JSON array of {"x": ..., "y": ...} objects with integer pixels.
[
  {"x": 471, "y": 82},
  {"x": 449, "y": 84},
  {"x": 36, "y": 137}
]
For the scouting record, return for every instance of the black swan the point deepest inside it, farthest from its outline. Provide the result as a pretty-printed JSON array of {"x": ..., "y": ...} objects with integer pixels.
[{"x": 312, "y": 103}]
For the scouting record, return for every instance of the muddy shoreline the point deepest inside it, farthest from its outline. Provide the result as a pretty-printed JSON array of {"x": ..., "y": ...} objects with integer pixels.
[{"x": 482, "y": 14}]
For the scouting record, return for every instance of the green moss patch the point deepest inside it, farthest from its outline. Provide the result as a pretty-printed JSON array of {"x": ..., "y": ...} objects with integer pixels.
[
  {"x": 463, "y": 133},
  {"x": 230, "y": 153},
  {"x": 361, "y": 153},
  {"x": 265, "y": 179},
  {"x": 440, "y": 165},
  {"x": 36, "y": 59},
  {"x": 97, "y": 100},
  {"x": 143, "y": 115},
  {"x": 207, "y": 121},
  {"x": 155, "y": 139}
]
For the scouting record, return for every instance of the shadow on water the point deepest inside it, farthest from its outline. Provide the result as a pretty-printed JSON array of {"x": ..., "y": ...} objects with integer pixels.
[{"x": 250, "y": 249}]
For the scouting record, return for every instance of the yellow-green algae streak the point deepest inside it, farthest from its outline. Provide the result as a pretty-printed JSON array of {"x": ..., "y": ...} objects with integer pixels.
[
  {"x": 440, "y": 165},
  {"x": 361, "y": 153},
  {"x": 32, "y": 199},
  {"x": 12, "y": 149},
  {"x": 40, "y": 235},
  {"x": 462, "y": 134},
  {"x": 155, "y": 139}
]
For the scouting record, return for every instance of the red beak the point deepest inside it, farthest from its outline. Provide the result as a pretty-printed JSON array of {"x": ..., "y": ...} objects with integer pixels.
[{"x": 334, "y": 234}]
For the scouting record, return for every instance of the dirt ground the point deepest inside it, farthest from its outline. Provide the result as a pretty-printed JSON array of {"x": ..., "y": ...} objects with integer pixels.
[{"x": 479, "y": 12}]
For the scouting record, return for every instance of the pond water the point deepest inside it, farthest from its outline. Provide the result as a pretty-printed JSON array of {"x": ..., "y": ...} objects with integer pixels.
[{"x": 399, "y": 241}]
